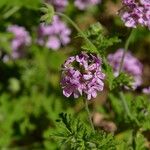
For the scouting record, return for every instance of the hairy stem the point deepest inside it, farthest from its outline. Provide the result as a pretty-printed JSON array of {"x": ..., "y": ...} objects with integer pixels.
[
  {"x": 120, "y": 70},
  {"x": 88, "y": 113},
  {"x": 125, "y": 50},
  {"x": 125, "y": 105}
]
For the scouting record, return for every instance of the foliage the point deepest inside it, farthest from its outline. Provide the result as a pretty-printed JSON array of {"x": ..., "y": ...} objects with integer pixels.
[
  {"x": 24, "y": 116},
  {"x": 77, "y": 136},
  {"x": 122, "y": 80},
  {"x": 96, "y": 34},
  {"x": 139, "y": 108}
]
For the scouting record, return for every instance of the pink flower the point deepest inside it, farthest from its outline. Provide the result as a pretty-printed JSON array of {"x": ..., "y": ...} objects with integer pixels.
[
  {"x": 20, "y": 41},
  {"x": 134, "y": 13},
  {"x": 55, "y": 35},
  {"x": 82, "y": 75},
  {"x": 131, "y": 65}
]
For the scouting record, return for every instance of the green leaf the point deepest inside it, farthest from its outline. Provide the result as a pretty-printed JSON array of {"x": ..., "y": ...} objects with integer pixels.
[
  {"x": 89, "y": 48},
  {"x": 73, "y": 134},
  {"x": 96, "y": 34},
  {"x": 140, "y": 142},
  {"x": 48, "y": 12},
  {"x": 123, "y": 80}
]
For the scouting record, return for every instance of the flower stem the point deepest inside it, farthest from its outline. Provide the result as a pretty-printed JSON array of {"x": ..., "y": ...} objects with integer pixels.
[
  {"x": 78, "y": 29},
  {"x": 125, "y": 105},
  {"x": 125, "y": 50},
  {"x": 124, "y": 102},
  {"x": 88, "y": 113},
  {"x": 120, "y": 70}
]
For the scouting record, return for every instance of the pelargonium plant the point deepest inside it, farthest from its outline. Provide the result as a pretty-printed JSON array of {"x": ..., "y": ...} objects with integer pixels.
[
  {"x": 53, "y": 35},
  {"x": 20, "y": 41},
  {"x": 82, "y": 76},
  {"x": 131, "y": 65},
  {"x": 83, "y": 4},
  {"x": 134, "y": 13}
]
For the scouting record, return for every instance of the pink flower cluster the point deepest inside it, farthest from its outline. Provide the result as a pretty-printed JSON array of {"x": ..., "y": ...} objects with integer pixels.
[
  {"x": 83, "y": 4},
  {"x": 82, "y": 75},
  {"x": 54, "y": 35},
  {"x": 59, "y": 5},
  {"x": 131, "y": 65},
  {"x": 20, "y": 40},
  {"x": 135, "y": 13}
]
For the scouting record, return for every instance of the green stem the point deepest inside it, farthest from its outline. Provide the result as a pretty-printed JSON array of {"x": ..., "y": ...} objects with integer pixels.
[
  {"x": 124, "y": 102},
  {"x": 125, "y": 50},
  {"x": 120, "y": 70},
  {"x": 125, "y": 105},
  {"x": 88, "y": 113},
  {"x": 78, "y": 29}
]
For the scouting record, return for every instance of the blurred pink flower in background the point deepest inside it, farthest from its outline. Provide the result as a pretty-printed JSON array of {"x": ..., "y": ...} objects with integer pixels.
[
  {"x": 54, "y": 35},
  {"x": 20, "y": 40},
  {"x": 131, "y": 65}
]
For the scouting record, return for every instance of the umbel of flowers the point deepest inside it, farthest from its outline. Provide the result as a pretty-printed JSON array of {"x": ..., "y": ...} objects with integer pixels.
[
  {"x": 135, "y": 13},
  {"x": 20, "y": 40},
  {"x": 131, "y": 65},
  {"x": 54, "y": 35},
  {"x": 82, "y": 76}
]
